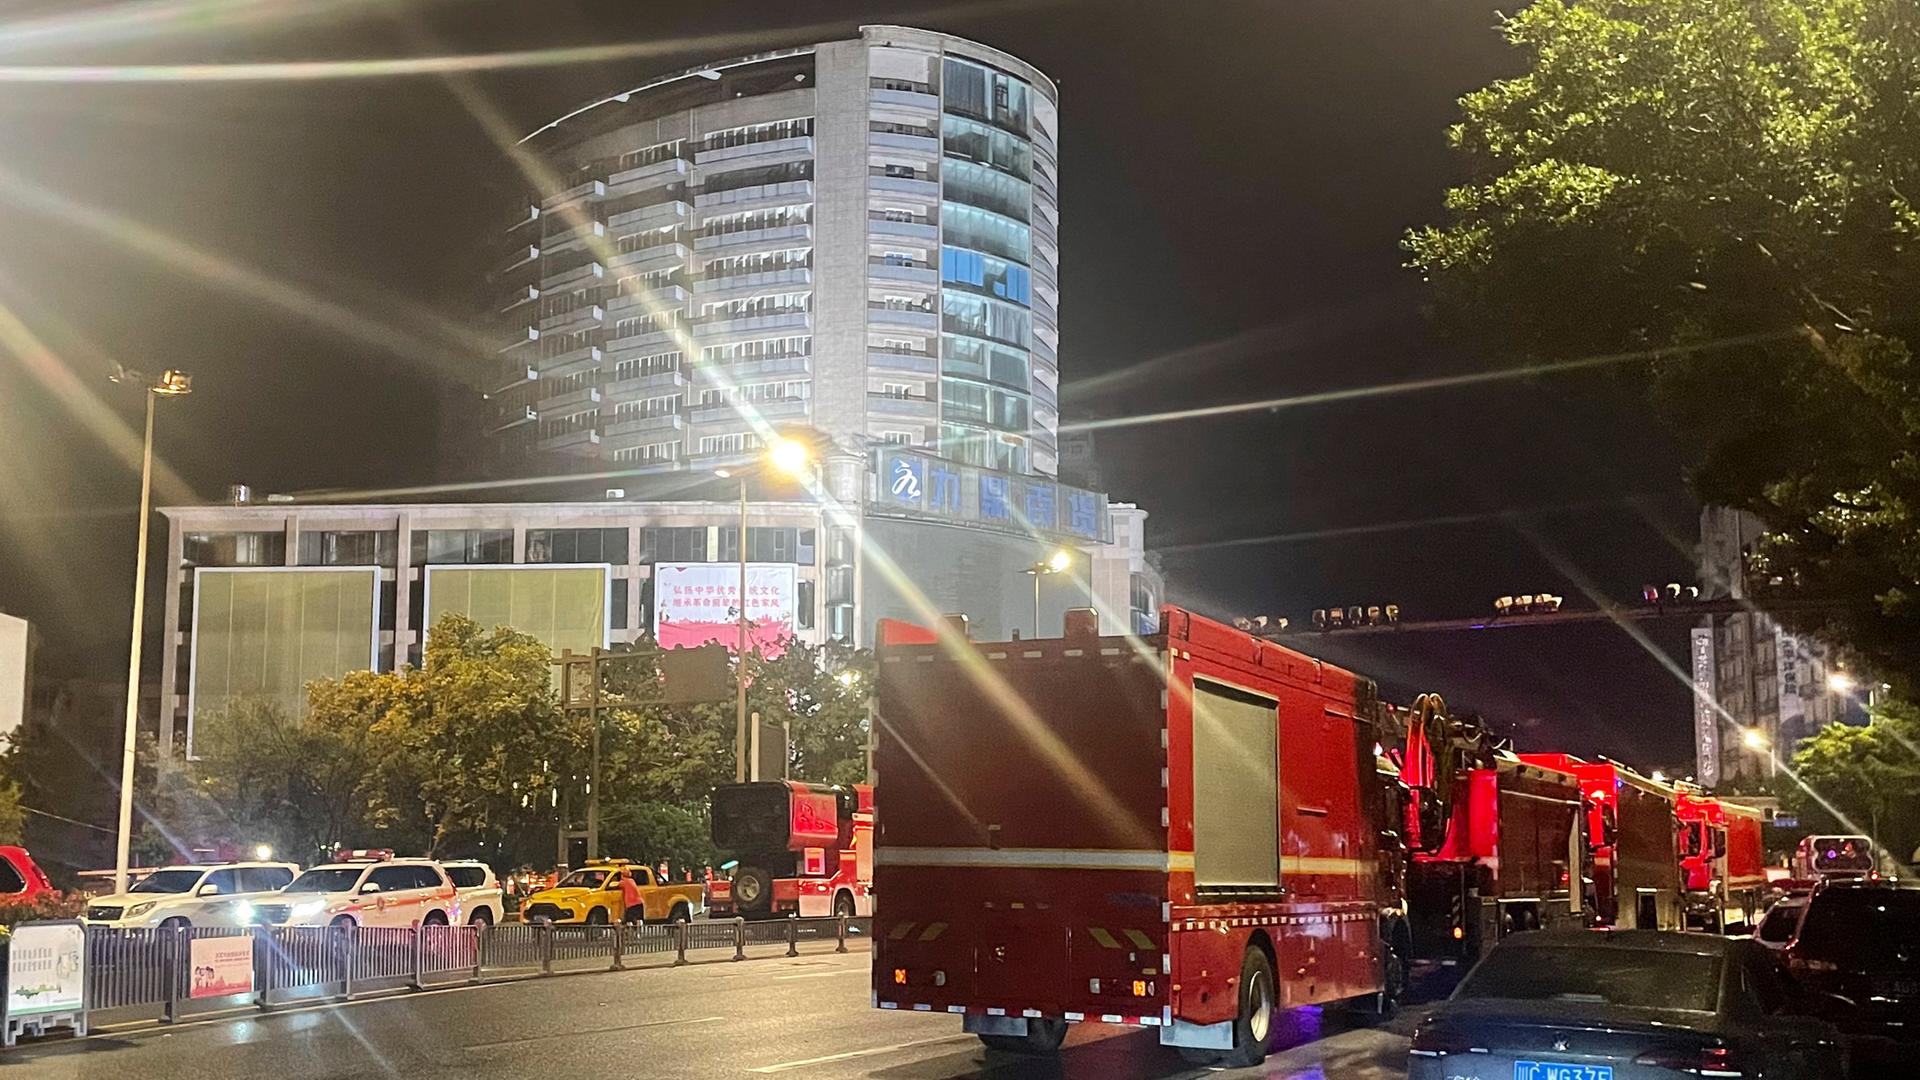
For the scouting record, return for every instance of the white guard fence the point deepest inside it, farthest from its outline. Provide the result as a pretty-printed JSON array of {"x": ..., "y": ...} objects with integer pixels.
[{"x": 164, "y": 974}]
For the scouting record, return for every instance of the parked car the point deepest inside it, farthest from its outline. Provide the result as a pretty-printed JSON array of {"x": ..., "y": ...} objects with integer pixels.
[
  {"x": 377, "y": 892},
  {"x": 222, "y": 894},
  {"x": 20, "y": 877},
  {"x": 478, "y": 897},
  {"x": 1624, "y": 1005},
  {"x": 614, "y": 890},
  {"x": 1859, "y": 944},
  {"x": 1777, "y": 926}
]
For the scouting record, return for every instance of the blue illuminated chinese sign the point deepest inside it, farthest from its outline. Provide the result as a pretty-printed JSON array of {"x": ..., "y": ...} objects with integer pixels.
[{"x": 918, "y": 483}]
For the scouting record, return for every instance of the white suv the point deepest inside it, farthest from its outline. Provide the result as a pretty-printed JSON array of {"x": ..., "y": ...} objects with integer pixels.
[
  {"x": 478, "y": 891},
  {"x": 390, "y": 892},
  {"x": 219, "y": 895}
]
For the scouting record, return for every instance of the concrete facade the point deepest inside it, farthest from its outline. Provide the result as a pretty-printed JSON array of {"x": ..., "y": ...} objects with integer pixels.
[
  {"x": 859, "y": 237},
  {"x": 16, "y": 672}
]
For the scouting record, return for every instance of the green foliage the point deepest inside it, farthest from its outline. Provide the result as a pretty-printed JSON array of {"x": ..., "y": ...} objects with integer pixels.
[
  {"x": 1867, "y": 779},
  {"x": 13, "y": 819},
  {"x": 58, "y": 905},
  {"x": 1740, "y": 175}
]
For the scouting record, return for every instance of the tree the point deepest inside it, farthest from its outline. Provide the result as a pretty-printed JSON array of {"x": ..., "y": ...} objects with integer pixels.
[
  {"x": 1728, "y": 186},
  {"x": 1862, "y": 779},
  {"x": 13, "y": 819}
]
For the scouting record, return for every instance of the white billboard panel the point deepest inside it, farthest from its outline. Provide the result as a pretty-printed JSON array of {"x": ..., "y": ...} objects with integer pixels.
[
  {"x": 698, "y": 603},
  {"x": 562, "y": 605}
]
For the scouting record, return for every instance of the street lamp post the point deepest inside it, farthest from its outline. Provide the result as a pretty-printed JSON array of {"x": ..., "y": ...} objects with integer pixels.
[
  {"x": 1057, "y": 561},
  {"x": 171, "y": 383},
  {"x": 793, "y": 457}
]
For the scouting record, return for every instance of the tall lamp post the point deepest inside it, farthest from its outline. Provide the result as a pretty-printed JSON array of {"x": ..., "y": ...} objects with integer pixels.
[
  {"x": 171, "y": 383},
  {"x": 1058, "y": 561},
  {"x": 792, "y": 457}
]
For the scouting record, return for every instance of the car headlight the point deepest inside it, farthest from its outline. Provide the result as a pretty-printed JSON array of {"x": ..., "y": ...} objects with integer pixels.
[
  {"x": 138, "y": 910},
  {"x": 309, "y": 909},
  {"x": 243, "y": 910}
]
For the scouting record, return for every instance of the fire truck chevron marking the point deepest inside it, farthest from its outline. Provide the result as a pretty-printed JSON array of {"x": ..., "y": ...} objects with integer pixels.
[
  {"x": 1105, "y": 939},
  {"x": 1047, "y": 858},
  {"x": 1140, "y": 940},
  {"x": 933, "y": 931},
  {"x": 901, "y": 930}
]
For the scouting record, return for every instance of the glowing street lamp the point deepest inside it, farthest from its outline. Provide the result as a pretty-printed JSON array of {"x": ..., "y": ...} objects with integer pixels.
[
  {"x": 1058, "y": 561},
  {"x": 1754, "y": 739},
  {"x": 171, "y": 383},
  {"x": 1840, "y": 682}
]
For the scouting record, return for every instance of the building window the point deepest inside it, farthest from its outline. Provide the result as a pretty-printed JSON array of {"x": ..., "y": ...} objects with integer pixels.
[
  {"x": 234, "y": 549},
  {"x": 770, "y": 544},
  {"x": 637, "y": 367},
  {"x": 673, "y": 544},
  {"x": 803, "y": 599},
  {"x": 455, "y": 546},
  {"x": 357, "y": 548},
  {"x": 618, "y": 615},
  {"x": 897, "y": 438},
  {"x": 799, "y": 127},
  {"x": 651, "y": 155},
  {"x": 972, "y": 90},
  {"x": 728, "y": 444},
  {"x": 389, "y": 604},
  {"x": 644, "y": 407},
  {"x": 637, "y": 455},
  {"x": 577, "y": 546}
]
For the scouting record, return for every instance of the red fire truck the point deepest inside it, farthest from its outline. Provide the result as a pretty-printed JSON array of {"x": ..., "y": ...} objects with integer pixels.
[
  {"x": 1631, "y": 842},
  {"x": 799, "y": 849},
  {"x": 1721, "y": 859},
  {"x": 1179, "y": 832}
]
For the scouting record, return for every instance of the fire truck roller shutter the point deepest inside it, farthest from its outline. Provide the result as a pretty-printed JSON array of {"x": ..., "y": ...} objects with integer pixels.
[{"x": 1236, "y": 789}]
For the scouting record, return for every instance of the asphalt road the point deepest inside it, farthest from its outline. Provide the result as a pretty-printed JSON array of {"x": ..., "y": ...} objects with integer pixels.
[{"x": 804, "y": 1019}]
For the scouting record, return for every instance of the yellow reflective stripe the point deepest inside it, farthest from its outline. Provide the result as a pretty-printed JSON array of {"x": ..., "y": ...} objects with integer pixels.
[
  {"x": 1140, "y": 940},
  {"x": 1105, "y": 939},
  {"x": 901, "y": 930},
  {"x": 932, "y": 931},
  {"x": 1180, "y": 860},
  {"x": 1313, "y": 864}
]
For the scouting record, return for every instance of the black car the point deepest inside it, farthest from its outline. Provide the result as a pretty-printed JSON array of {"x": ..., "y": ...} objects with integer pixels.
[
  {"x": 1859, "y": 945},
  {"x": 1624, "y": 1005}
]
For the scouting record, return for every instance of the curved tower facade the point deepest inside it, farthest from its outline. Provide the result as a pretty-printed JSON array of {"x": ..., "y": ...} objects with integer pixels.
[{"x": 857, "y": 236}]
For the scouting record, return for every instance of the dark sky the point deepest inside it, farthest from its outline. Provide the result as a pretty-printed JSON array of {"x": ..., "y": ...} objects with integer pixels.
[{"x": 1234, "y": 181}]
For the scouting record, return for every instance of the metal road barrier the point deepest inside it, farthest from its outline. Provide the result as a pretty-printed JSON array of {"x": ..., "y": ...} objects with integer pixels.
[{"x": 163, "y": 974}]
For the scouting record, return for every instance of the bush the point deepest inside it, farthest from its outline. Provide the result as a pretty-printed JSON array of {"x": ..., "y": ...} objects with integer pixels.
[{"x": 53, "y": 905}]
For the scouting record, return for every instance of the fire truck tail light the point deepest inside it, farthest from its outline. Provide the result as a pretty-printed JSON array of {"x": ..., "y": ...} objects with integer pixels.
[
  {"x": 1459, "y": 933},
  {"x": 899, "y": 976},
  {"x": 939, "y": 978},
  {"x": 1140, "y": 988}
]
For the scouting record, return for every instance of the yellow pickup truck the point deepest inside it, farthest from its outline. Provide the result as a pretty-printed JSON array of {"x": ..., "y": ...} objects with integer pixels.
[{"x": 613, "y": 890}]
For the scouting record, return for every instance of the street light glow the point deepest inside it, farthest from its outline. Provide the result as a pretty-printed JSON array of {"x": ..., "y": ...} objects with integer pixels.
[
  {"x": 790, "y": 456},
  {"x": 1059, "y": 561},
  {"x": 1840, "y": 682},
  {"x": 263, "y": 852},
  {"x": 1754, "y": 738}
]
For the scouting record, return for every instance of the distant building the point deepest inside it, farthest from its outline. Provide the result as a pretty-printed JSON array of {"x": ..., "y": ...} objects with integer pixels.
[
  {"x": 859, "y": 236},
  {"x": 17, "y": 643},
  {"x": 1762, "y": 678}
]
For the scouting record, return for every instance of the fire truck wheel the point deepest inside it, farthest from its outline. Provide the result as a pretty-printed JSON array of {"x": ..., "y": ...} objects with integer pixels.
[
  {"x": 1254, "y": 1027},
  {"x": 1044, "y": 1036},
  {"x": 681, "y": 913},
  {"x": 753, "y": 891},
  {"x": 597, "y": 917},
  {"x": 843, "y": 905}
]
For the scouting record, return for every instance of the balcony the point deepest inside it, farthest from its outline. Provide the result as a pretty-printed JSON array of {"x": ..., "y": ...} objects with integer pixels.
[
  {"x": 731, "y": 285},
  {"x": 572, "y": 440},
  {"x": 926, "y": 232},
  {"x": 569, "y": 401},
  {"x": 905, "y": 273},
  {"x": 584, "y": 315},
  {"x": 658, "y": 424},
  {"x": 563, "y": 364},
  {"x": 730, "y": 373},
  {"x": 579, "y": 236},
  {"x": 657, "y": 216},
  {"x": 518, "y": 375},
  {"x": 651, "y": 298},
  {"x": 518, "y": 341},
  {"x": 580, "y": 275},
  {"x": 881, "y": 316},
  {"x": 649, "y": 340},
  {"x": 725, "y": 415},
  {"x": 590, "y": 189},
  {"x": 911, "y": 99},
  {"x": 919, "y": 363},
  {"x": 913, "y": 144},
  {"x": 646, "y": 260},
  {"x": 905, "y": 408},
  {"x": 642, "y": 386},
  {"x": 770, "y": 152},
  {"x": 755, "y": 196},
  {"x": 518, "y": 257},
  {"x": 777, "y": 236},
  {"x": 513, "y": 417},
  {"x": 720, "y": 330},
  {"x": 526, "y": 295},
  {"x": 531, "y": 215},
  {"x": 907, "y": 186},
  {"x": 652, "y": 174}
]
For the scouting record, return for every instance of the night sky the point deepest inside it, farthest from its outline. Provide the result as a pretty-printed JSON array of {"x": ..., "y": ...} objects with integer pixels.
[{"x": 1234, "y": 181}]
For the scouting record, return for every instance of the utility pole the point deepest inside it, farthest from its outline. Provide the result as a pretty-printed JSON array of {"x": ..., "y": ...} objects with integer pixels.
[{"x": 740, "y": 653}]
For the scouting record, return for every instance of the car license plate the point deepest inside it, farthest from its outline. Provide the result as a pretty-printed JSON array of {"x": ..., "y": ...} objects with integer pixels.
[{"x": 1554, "y": 1070}]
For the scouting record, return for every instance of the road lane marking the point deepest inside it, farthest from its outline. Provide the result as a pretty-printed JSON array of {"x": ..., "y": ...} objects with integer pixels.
[
  {"x": 869, "y": 1052},
  {"x": 593, "y": 1031},
  {"x": 863, "y": 972}
]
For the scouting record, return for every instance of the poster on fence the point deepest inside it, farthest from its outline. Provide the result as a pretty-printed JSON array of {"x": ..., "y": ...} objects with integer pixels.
[
  {"x": 46, "y": 969},
  {"x": 221, "y": 966}
]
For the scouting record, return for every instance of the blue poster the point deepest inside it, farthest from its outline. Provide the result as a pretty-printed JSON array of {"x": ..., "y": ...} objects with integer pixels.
[
  {"x": 1040, "y": 508},
  {"x": 993, "y": 498},
  {"x": 1083, "y": 514},
  {"x": 906, "y": 480},
  {"x": 943, "y": 488}
]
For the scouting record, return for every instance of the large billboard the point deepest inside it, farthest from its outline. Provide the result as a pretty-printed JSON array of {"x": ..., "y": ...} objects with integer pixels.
[
  {"x": 698, "y": 603},
  {"x": 914, "y": 483},
  {"x": 564, "y": 605},
  {"x": 263, "y": 633}
]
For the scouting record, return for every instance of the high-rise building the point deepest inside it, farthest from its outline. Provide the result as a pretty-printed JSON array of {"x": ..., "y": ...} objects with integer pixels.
[{"x": 860, "y": 237}]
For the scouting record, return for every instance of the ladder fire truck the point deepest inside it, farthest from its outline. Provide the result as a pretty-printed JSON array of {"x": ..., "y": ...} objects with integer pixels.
[{"x": 800, "y": 849}]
